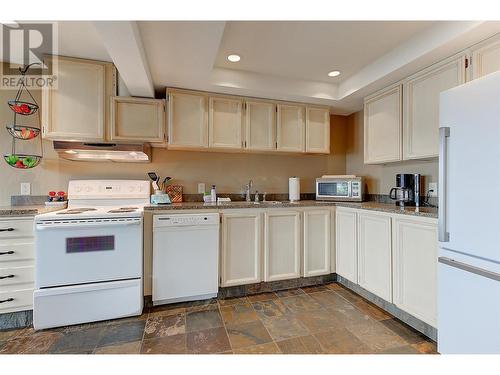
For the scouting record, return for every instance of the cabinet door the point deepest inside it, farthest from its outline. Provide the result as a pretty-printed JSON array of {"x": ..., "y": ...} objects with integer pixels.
[
  {"x": 290, "y": 128},
  {"x": 225, "y": 123},
  {"x": 415, "y": 267},
  {"x": 241, "y": 248},
  {"x": 260, "y": 126},
  {"x": 382, "y": 126},
  {"x": 187, "y": 120},
  {"x": 316, "y": 242},
  {"x": 135, "y": 119},
  {"x": 486, "y": 57},
  {"x": 375, "y": 254},
  {"x": 346, "y": 244},
  {"x": 421, "y": 106},
  {"x": 281, "y": 245},
  {"x": 318, "y": 130},
  {"x": 78, "y": 108}
]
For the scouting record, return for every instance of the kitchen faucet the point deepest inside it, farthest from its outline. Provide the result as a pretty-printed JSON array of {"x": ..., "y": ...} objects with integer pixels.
[{"x": 247, "y": 188}]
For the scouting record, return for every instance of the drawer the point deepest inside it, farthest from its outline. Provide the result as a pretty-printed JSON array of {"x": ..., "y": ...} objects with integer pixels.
[
  {"x": 16, "y": 275},
  {"x": 16, "y": 250},
  {"x": 16, "y": 300},
  {"x": 16, "y": 228}
]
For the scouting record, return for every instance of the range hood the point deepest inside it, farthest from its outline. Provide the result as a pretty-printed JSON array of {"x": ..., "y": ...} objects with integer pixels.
[{"x": 117, "y": 152}]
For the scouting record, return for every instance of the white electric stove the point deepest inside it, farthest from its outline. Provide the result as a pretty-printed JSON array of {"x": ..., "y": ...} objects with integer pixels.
[{"x": 89, "y": 257}]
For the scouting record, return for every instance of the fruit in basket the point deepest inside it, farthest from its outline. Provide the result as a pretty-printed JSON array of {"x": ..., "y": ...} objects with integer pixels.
[
  {"x": 19, "y": 164},
  {"x": 25, "y": 108},
  {"x": 11, "y": 159},
  {"x": 29, "y": 162},
  {"x": 27, "y": 133}
]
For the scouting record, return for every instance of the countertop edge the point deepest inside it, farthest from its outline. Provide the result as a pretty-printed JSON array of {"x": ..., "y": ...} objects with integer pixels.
[{"x": 371, "y": 206}]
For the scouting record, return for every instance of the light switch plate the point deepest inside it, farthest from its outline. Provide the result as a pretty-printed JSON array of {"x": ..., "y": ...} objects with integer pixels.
[
  {"x": 433, "y": 186},
  {"x": 201, "y": 188},
  {"x": 25, "y": 188}
]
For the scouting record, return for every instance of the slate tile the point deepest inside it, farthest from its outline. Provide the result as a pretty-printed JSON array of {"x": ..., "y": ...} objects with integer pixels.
[
  {"x": 300, "y": 345},
  {"x": 122, "y": 333},
  {"x": 285, "y": 327},
  {"x": 248, "y": 334},
  {"x": 199, "y": 320},
  {"x": 133, "y": 347},
  {"x": 165, "y": 345},
  {"x": 214, "y": 340},
  {"x": 161, "y": 326},
  {"x": 238, "y": 313}
]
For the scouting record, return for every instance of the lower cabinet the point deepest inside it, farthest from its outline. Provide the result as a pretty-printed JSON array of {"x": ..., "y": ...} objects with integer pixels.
[
  {"x": 241, "y": 248},
  {"x": 415, "y": 267},
  {"x": 346, "y": 243},
  {"x": 374, "y": 253},
  {"x": 281, "y": 245},
  {"x": 17, "y": 259},
  {"x": 316, "y": 242}
]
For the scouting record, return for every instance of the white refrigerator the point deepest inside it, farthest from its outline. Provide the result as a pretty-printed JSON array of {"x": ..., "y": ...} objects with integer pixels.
[{"x": 469, "y": 218}]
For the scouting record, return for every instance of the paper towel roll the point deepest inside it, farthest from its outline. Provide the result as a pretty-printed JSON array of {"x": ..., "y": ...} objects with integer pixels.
[{"x": 294, "y": 189}]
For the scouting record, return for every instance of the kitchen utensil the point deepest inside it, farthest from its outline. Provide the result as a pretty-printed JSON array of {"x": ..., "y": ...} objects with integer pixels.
[{"x": 154, "y": 177}]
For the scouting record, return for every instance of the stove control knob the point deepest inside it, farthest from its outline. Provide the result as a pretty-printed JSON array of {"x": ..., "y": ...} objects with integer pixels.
[
  {"x": 78, "y": 189},
  {"x": 88, "y": 189}
]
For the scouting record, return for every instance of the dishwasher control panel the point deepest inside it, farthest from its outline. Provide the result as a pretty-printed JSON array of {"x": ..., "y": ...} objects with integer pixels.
[{"x": 181, "y": 220}]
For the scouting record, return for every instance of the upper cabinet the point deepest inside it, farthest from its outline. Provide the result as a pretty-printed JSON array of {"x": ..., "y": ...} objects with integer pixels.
[
  {"x": 486, "y": 57},
  {"x": 78, "y": 109},
  {"x": 291, "y": 128},
  {"x": 225, "y": 123},
  {"x": 187, "y": 120},
  {"x": 217, "y": 122},
  {"x": 260, "y": 126},
  {"x": 421, "y": 106},
  {"x": 137, "y": 119},
  {"x": 317, "y": 130},
  {"x": 383, "y": 125}
]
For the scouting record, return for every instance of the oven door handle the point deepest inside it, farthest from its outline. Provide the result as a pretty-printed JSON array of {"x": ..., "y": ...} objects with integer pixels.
[{"x": 87, "y": 225}]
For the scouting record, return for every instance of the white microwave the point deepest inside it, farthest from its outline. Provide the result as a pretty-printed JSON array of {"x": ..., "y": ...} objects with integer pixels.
[{"x": 339, "y": 188}]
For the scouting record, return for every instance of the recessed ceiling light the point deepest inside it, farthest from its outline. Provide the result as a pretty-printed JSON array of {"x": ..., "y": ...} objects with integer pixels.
[
  {"x": 334, "y": 73},
  {"x": 234, "y": 58}
]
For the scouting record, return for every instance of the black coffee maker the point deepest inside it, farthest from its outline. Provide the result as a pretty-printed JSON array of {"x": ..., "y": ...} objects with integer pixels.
[{"x": 407, "y": 190}]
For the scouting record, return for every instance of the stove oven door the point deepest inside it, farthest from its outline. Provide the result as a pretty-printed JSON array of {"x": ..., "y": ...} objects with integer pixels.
[{"x": 70, "y": 252}]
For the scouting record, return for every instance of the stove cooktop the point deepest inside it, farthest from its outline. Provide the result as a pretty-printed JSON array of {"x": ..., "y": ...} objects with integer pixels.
[{"x": 93, "y": 212}]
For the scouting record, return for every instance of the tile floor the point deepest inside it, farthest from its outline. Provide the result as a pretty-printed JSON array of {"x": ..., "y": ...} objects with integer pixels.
[{"x": 322, "y": 319}]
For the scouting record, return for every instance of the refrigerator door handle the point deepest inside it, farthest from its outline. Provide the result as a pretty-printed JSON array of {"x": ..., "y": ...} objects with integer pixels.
[
  {"x": 444, "y": 133},
  {"x": 466, "y": 267}
]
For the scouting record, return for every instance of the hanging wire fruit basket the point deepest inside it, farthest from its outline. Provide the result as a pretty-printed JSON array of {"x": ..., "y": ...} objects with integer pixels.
[
  {"x": 23, "y": 132},
  {"x": 22, "y": 161},
  {"x": 24, "y": 107}
]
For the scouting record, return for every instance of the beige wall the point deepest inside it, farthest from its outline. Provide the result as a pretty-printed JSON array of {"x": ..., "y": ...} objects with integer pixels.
[
  {"x": 228, "y": 171},
  {"x": 380, "y": 178}
]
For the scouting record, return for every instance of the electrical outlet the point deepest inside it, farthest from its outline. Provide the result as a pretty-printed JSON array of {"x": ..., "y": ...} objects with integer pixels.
[
  {"x": 434, "y": 187},
  {"x": 201, "y": 188},
  {"x": 25, "y": 188}
]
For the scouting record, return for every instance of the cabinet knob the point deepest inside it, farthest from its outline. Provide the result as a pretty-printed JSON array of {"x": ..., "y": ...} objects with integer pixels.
[
  {"x": 6, "y": 277},
  {"x": 7, "y": 230},
  {"x": 7, "y": 300}
]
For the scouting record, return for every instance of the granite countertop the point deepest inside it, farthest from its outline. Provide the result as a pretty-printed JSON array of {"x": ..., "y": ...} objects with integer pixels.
[
  {"x": 374, "y": 206},
  {"x": 6, "y": 211}
]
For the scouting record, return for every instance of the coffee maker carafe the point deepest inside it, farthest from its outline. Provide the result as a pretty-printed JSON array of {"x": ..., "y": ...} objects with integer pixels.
[{"x": 407, "y": 190}]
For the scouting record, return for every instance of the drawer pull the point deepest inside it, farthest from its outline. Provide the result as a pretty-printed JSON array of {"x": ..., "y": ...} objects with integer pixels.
[
  {"x": 7, "y": 230},
  {"x": 6, "y": 252},
  {"x": 6, "y": 277},
  {"x": 7, "y": 300}
]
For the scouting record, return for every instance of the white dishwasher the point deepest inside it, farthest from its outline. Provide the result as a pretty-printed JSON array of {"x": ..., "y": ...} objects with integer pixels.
[{"x": 185, "y": 257}]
